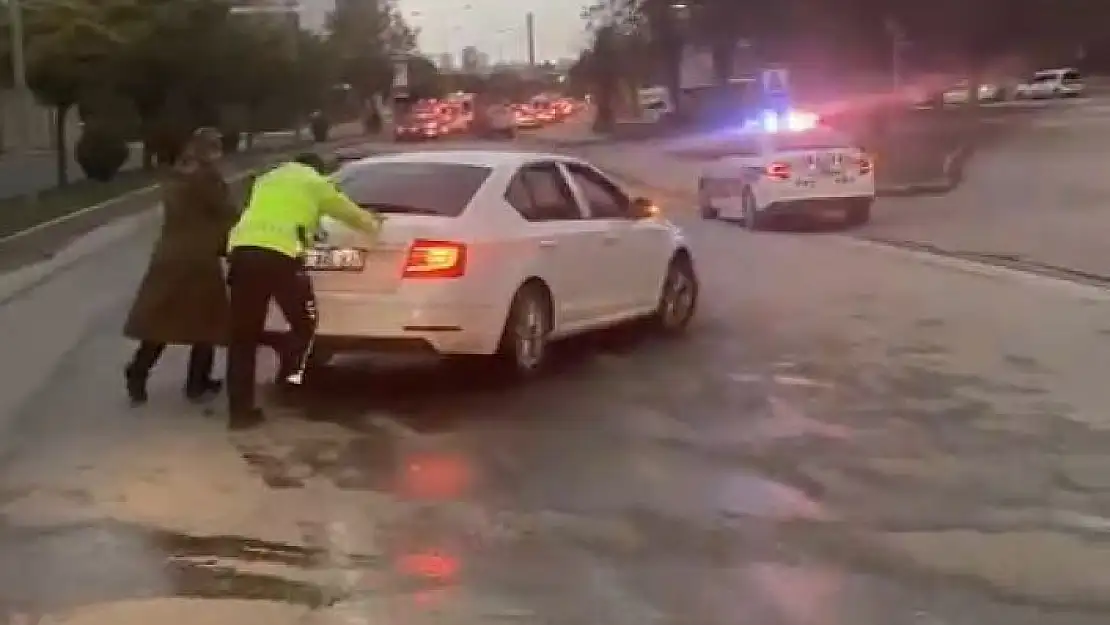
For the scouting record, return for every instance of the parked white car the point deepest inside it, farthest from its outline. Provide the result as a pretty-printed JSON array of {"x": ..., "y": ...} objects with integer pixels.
[
  {"x": 758, "y": 176},
  {"x": 1053, "y": 83},
  {"x": 493, "y": 254}
]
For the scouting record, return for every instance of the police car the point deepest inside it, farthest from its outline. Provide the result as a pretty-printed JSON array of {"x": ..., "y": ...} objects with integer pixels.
[{"x": 787, "y": 165}]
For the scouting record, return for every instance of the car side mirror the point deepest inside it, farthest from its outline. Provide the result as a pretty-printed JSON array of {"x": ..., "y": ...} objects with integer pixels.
[{"x": 643, "y": 208}]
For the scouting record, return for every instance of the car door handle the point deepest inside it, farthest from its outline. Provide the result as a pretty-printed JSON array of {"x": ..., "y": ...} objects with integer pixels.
[{"x": 548, "y": 243}]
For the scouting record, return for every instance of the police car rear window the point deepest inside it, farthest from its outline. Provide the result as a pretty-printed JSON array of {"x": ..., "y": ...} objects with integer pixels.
[{"x": 442, "y": 189}]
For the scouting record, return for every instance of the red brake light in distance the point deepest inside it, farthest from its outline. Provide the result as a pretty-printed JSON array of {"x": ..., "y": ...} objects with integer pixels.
[
  {"x": 435, "y": 259},
  {"x": 778, "y": 171}
]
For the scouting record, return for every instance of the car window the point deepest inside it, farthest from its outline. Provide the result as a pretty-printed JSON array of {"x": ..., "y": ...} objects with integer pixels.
[
  {"x": 412, "y": 187},
  {"x": 540, "y": 193},
  {"x": 602, "y": 197},
  {"x": 1072, "y": 76}
]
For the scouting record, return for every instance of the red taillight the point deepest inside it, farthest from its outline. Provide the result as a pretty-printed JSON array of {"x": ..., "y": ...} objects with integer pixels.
[
  {"x": 866, "y": 165},
  {"x": 435, "y": 259},
  {"x": 778, "y": 171}
]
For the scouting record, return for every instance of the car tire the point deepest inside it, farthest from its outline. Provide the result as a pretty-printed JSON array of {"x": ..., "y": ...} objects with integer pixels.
[
  {"x": 678, "y": 299},
  {"x": 522, "y": 350},
  {"x": 704, "y": 207},
  {"x": 753, "y": 221},
  {"x": 859, "y": 213}
]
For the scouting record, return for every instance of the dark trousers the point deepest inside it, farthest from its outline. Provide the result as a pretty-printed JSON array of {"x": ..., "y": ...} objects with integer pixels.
[
  {"x": 201, "y": 360},
  {"x": 256, "y": 276}
]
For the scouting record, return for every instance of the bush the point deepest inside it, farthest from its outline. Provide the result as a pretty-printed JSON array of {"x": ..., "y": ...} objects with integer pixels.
[{"x": 101, "y": 153}]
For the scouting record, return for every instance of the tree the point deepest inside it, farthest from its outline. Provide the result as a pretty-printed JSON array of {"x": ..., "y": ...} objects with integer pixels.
[
  {"x": 70, "y": 44},
  {"x": 365, "y": 35}
]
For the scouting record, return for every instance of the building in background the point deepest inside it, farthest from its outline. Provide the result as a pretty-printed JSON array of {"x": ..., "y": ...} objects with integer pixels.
[
  {"x": 483, "y": 61},
  {"x": 471, "y": 60},
  {"x": 446, "y": 62}
]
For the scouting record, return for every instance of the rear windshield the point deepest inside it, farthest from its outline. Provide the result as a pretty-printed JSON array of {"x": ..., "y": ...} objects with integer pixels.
[
  {"x": 788, "y": 141},
  {"x": 418, "y": 188}
]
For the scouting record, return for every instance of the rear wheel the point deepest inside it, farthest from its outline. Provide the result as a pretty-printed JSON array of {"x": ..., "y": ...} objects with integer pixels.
[
  {"x": 753, "y": 219},
  {"x": 522, "y": 352},
  {"x": 705, "y": 204},
  {"x": 859, "y": 213}
]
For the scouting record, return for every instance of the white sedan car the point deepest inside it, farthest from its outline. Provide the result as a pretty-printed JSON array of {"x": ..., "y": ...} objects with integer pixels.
[
  {"x": 493, "y": 254},
  {"x": 757, "y": 176}
]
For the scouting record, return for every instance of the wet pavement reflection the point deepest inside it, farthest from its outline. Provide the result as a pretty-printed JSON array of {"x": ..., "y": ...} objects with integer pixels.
[{"x": 731, "y": 478}]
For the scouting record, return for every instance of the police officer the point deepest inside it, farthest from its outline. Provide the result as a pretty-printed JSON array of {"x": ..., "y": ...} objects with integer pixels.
[{"x": 266, "y": 260}]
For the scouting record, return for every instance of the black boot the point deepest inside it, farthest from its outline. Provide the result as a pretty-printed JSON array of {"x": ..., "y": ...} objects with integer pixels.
[
  {"x": 136, "y": 385},
  {"x": 196, "y": 391},
  {"x": 138, "y": 370},
  {"x": 199, "y": 383}
]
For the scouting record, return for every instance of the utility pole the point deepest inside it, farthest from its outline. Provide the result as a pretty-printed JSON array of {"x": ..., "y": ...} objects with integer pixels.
[
  {"x": 530, "y": 30},
  {"x": 897, "y": 42}
]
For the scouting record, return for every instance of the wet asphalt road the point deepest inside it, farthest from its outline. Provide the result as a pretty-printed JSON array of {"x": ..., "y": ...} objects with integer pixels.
[{"x": 848, "y": 435}]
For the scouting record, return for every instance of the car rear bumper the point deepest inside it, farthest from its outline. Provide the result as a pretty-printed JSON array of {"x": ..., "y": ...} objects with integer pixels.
[
  {"x": 360, "y": 322},
  {"x": 832, "y": 207}
]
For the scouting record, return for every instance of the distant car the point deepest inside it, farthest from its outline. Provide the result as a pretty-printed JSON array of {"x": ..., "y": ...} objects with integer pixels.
[
  {"x": 526, "y": 118},
  {"x": 756, "y": 177},
  {"x": 419, "y": 128},
  {"x": 493, "y": 254},
  {"x": 1053, "y": 83},
  {"x": 499, "y": 122},
  {"x": 992, "y": 91}
]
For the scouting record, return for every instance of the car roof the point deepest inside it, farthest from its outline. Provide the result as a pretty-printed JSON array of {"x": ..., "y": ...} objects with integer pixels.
[{"x": 479, "y": 158}]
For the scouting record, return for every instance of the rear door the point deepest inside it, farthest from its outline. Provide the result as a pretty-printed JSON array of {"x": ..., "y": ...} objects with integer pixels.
[{"x": 564, "y": 243}]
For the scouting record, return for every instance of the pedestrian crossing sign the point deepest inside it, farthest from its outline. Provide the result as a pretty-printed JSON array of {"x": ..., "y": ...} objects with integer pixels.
[{"x": 776, "y": 81}]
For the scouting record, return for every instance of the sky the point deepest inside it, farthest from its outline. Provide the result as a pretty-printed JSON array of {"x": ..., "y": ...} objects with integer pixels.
[{"x": 495, "y": 27}]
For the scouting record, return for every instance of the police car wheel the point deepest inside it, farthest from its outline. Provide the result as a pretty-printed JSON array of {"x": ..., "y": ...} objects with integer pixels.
[
  {"x": 859, "y": 213},
  {"x": 753, "y": 219},
  {"x": 524, "y": 341},
  {"x": 704, "y": 206}
]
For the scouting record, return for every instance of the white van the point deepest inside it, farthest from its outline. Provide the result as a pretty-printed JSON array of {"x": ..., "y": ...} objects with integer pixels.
[{"x": 1053, "y": 83}]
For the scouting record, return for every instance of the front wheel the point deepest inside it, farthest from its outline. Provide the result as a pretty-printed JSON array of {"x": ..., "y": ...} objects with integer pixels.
[
  {"x": 522, "y": 352},
  {"x": 679, "y": 298}
]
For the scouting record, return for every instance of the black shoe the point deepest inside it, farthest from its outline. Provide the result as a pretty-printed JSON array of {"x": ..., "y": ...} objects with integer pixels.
[
  {"x": 245, "y": 420},
  {"x": 196, "y": 392},
  {"x": 136, "y": 386}
]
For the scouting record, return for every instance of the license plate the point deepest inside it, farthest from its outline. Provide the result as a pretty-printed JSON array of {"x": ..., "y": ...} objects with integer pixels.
[
  {"x": 805, "y": 183},
  {"x": 845, "y": 180},
  {"x": 335, "y": 259}
]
